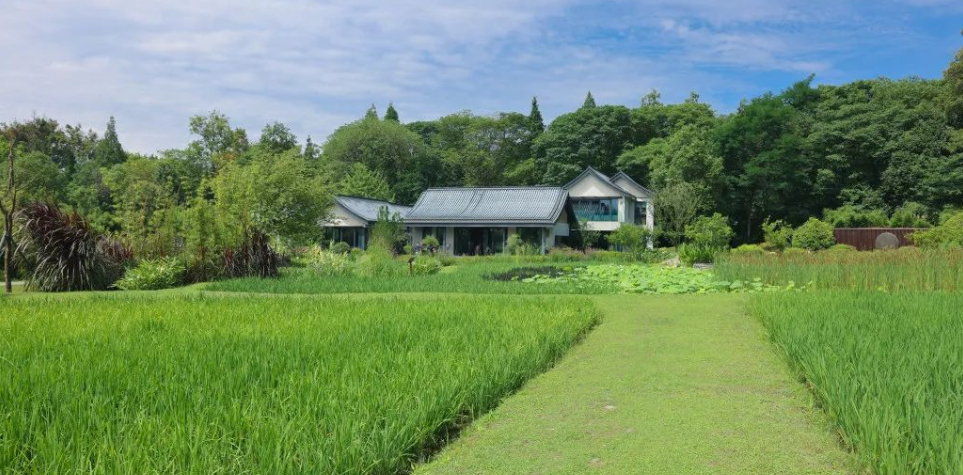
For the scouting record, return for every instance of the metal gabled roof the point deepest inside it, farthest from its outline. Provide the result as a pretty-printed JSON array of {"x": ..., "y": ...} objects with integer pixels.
[
  {"x": 592, "y": 171},
  {"x": 367, "y": 209},
  {"x": 490, "y": 205},
  {"x": 622, "y": 174}
]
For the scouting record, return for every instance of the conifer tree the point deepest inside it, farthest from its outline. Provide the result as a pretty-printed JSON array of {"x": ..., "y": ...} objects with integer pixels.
[
  {"x": 535, "y": 118},
  {"x": 109, "y": 151},
  {"x": 391, "y": 113},
  {"x": 589, "y": 101}
]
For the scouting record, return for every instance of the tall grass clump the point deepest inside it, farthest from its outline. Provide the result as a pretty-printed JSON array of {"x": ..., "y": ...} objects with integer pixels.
[
  {"x": 886, "y": 368},
  {"x": 907, "y": 268},
  {"x": 176, "y": 384}
]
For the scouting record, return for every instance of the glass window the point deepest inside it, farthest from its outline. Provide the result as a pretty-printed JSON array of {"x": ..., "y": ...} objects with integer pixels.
[
  {"x": 604, "y": 209},
  {"x": 640, "y": 212}
]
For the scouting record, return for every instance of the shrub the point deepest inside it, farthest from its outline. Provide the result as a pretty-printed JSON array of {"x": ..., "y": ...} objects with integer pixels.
[
  {"x": 910, "y": 215},
  {"x": 430, "y": 244},
  {"x": 749, "y": 249},
  {"x": 425, "y": 265},
  {"x": 330, "y": 263},
  {"x": 813, "y": 235},
  {"x": 408, "y": 249},
  {"x": 842, "y": 248},
  {"x": 948, "y": 234},
  {"x": 379, "y": 262},
  {"x": 162, "y": 273},
  {"x": 850, "y": 216},
  {"x": 776, "y": 234},
  {"x": 65, "y": 252},
  {"x": 711, "y": 231},
  {"x": 340, "y": 248},
  {"x": 253, "y": 257},
  {"x": 692, "y": 253},
  {"x": 793, "y": 251},
  {"x": 388, "y": 232},
  {"x": 516, "y": 246},
  {"x": 633, "y": 240}
]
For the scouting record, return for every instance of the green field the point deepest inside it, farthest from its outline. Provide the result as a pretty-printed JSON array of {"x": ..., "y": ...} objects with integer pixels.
[
  {"x": 192, "y": 384},
  {"x": 887, "y": 368}
]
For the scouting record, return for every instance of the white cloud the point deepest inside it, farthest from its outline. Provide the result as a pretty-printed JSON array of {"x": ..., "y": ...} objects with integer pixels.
[{"x": 316, "y": 65}]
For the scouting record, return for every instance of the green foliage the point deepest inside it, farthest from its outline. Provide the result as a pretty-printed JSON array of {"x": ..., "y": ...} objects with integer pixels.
[
  {"x": 431, "y": 244},
  {"x": 647, "y": 279},
  {"x": 686, "y": 156},
  {"x": 676, "y": 207},
  {"x": 633, "y": 240},
  {"x": 109, "y": 150},
  {"x": 330, "y": 262},
  {"x": 587, "y": 237},
  {"x": 850, "y": 216},
  {"x": 795, "y": 251},
  {"x": 316, "y": 378},
  {"x": 425, "y": 265},
  {"x": 813, "y": 235},
  {"x": 842, "y": 248},
  {"x": 379, "y": 262},
  {"x": 947, "y": 234},
  {"x": 388, "y": 232},
  {"x": 713, "y": 231},
  {"x": 776, "y": 234},
  {"x": 340, "y": 248},
  {"x": 277, "y": 138},
  {"x": 391, "y": 113},
  {"x": 589, "y": 101},
  {"x": 252, "y": 257},
  {"x": 153, "y": 275},
  {"x": 749, "y": 249},
  {"x": 516, "y": 246},
  {"x": 910, "y": 215},
  {"x": 884, "y": 367},
  {"x": 593, "y": 136},
  {"x": 365, "y": 183},
  {"x": 691, "y": 253}
]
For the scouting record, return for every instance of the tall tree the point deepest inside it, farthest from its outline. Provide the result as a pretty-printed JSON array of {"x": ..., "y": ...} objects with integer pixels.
[
  {"x": 277, "y": 138},
  {"x": 953, "y": 76},
  {"x": 391, "y": 113},
  {"x": 371, "y": 113},
  {"x": 589, "y": 101},
  {"x": 218, "y": 142},
  {"x": 535, "y": 118},
  {"x": 311, "y": 152},
  {"x": 593, "y": 136},
  {"x": 8, "y": 203},
  {"x": 365, "y": 183},
  {"x": 109, "y": 152}
]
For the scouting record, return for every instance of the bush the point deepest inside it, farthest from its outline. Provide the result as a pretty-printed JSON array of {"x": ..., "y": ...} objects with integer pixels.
[
  {"x": 379, "y": 262},
  {"x": 776, "y": 234},
  {"x": 330, "y": 263},
  {"x": 711, "y": 231},
  {"x": 850, "y": 216},
  {"x": 910, "y": 215},
  {"x": 253, "y": 257},
  {"x": 162, "y": 273},
  {"x": 692, "y": 253},
  {"x": 792, "y": 251},
  {"x": 65, "y": 252},
  {"x": 430, "y": 244},
  {"x": 946, "y": 235},
  {"x": 516, "y": 246},
  {"x": 425, "y": 265},
  {"x": 633, "y": 240},
  {"x": 749, "y": 249},
  {"x": 340, "y": 248},
  {"x": 842, "y": 248},
  {"x": 813, "y": 235}
]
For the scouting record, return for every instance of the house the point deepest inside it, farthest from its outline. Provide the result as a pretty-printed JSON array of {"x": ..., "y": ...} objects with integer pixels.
[
  {"x": 605, "y": 203},
  {"x": 352, "y": 218},
  {"x": 479, "y": 220}
]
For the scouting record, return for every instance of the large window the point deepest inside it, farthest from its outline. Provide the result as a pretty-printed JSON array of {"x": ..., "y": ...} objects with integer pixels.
[
  {"x": 438, "y": 233},
  {"x": 604, "y": 209},
  {"x": 640, "y": 212}
]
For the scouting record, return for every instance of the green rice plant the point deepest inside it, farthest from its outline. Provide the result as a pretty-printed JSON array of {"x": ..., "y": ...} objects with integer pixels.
[
  {"x": 141, "y": 383},
  {"x": 886, "y": 368},
  {"x": 156, "y": 274},
  {"x": 907, "y": 268}
]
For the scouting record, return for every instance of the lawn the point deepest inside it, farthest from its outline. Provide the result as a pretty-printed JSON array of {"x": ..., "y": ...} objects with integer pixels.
[
  {"x": 887, "y": 368},
  {"x": 140, "y": 383}
]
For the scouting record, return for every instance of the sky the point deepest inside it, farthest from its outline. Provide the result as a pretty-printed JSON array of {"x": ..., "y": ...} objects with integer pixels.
[{"x": 315, "y": 65}]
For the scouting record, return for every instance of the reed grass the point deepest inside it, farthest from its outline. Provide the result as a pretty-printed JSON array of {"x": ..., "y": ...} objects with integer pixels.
[
  {"x": 198, "y": 384},
  {"x": 897, "y": 270},
  {"x": 886, "y": 367}
]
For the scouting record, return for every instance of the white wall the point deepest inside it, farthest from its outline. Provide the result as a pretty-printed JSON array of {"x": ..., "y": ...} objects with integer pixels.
[{"x": 342, "y": 218}]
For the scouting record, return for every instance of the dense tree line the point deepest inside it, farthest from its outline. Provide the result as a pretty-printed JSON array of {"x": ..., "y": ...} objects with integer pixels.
[{"x": 875, "y": 151}]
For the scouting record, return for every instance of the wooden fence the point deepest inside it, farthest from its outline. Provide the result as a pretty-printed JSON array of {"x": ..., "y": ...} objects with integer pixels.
[{"x": 864, "y": 239}]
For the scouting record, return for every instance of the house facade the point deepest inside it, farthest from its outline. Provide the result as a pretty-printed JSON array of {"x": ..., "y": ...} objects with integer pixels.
[
  {"x": 479, "y": 220},
  {"x": 605, "y": 203},
  {"x": 352, "y": 217}
]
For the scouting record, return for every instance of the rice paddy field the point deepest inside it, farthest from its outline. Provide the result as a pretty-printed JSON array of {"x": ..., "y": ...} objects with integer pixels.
[
  {"x": 141, "y": 383},
  {"x": 886, "y": 367}
]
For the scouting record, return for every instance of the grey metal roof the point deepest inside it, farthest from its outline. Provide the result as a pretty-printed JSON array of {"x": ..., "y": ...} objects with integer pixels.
[
  {"x": 622, "y": 174},
  {"x": 601, "y": 176},
  {"x": 367, "y": 209},
  {"x": 495, "y": 205}
]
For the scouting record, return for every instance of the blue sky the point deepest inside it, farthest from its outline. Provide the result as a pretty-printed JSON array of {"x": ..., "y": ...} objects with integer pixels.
[{"x": 316, "y": 65}]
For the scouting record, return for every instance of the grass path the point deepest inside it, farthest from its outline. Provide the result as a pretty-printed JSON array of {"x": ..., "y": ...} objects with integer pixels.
[{"x": 665, "y": 385}]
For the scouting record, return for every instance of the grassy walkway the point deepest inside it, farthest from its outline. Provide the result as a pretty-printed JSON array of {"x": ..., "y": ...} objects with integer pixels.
[{"x": 665, "y": 385}]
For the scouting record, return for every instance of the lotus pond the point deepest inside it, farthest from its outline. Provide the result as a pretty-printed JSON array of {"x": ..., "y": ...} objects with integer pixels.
[{"x": 647, "y": 279}]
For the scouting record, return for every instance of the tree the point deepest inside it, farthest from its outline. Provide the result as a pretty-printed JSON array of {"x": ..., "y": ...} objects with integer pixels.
[
  {"x": 632, "y": 239},
  {"x": 371, "y": 113},
  {"x": 311, "y": 152},
  {"x": 713, "y": 231},
  {"x": 389, "y": 231},
  {"x": 218, "y": 143},
  {"x": 109, "y": 152},
  {"x": 594, "y": 136},
  {"x": 391, "y": 114},
  {"x": 8, "y": 204},
  {"x": 277, "y": 138},
  {"x": 587, "y": 237},
  {"x": 535, "y": 120},
  {"x": 677, "y": 206},
  {"x": 366, "y": 184},
  {"x": 589, "y": 101},
  {"x": 953, "y": 77}
]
